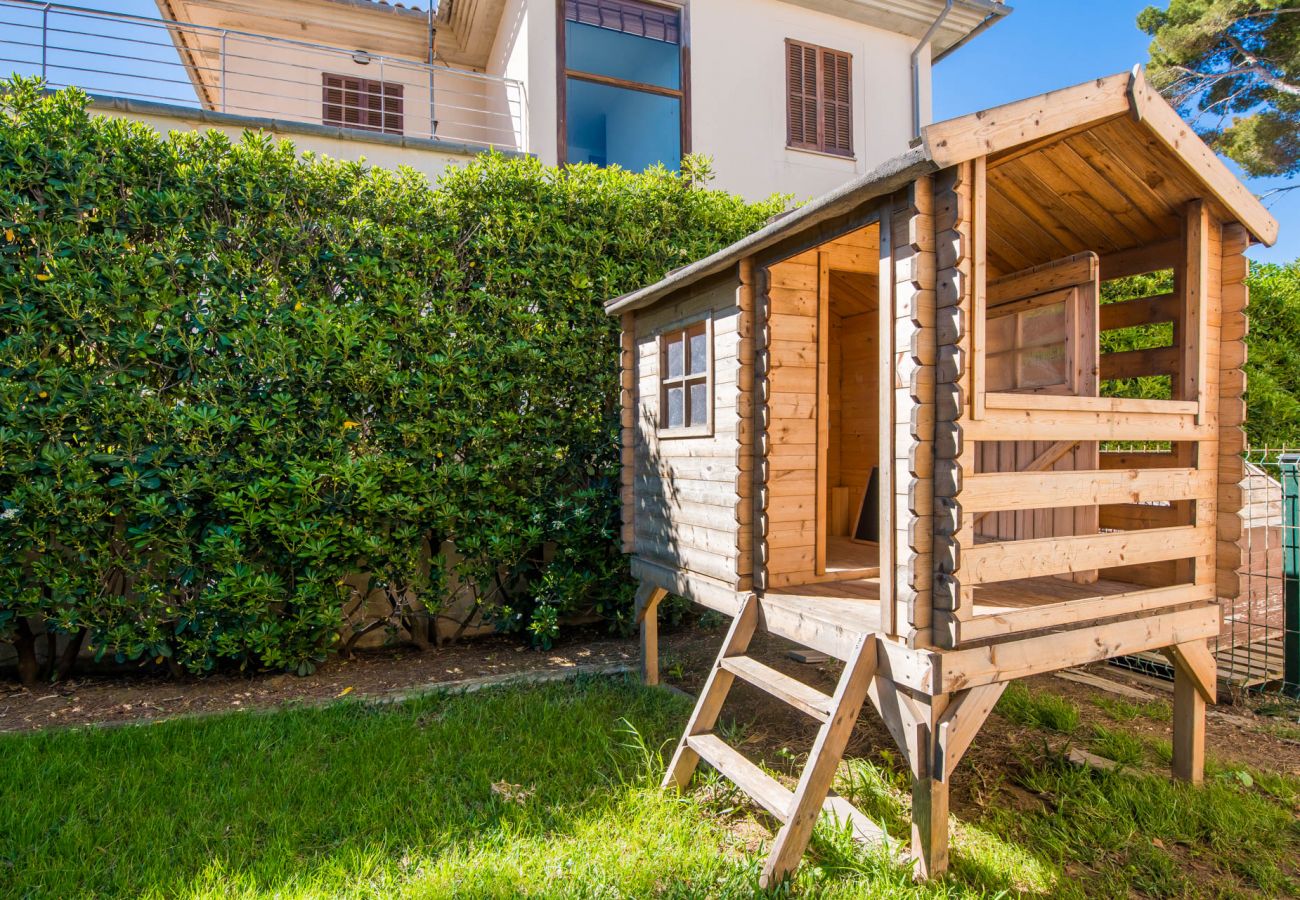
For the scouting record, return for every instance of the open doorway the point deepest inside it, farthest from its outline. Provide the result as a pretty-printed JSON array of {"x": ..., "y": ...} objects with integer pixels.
[{"x": 850, "y": 427}]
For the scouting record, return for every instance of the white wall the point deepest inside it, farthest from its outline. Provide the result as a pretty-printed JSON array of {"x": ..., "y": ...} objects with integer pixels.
[
  {"x": 278, "y": 80},
  {"x": 738, "y": 90},
  {"x": 738, "y": 95},
  {"x": 429, "y": 161},
  {"x": 525, "y": 50}
]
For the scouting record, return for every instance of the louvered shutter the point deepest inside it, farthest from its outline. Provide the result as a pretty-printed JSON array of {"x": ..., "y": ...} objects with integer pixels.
[
  {"x": 361, "y": 103},
  {"x": 353, "y": 104},
  {"x": 801, "y": 95},
  {"x": 837, "y": 103},
  {"x": 646, "y": 20},
  {"x": 332, "y": 99},
  {"x": 393, "y": 108},
  {"x": 372, "y": 104}
]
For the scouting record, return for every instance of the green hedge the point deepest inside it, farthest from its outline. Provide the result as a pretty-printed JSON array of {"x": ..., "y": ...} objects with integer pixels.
[{"x": 230, "y": 375}]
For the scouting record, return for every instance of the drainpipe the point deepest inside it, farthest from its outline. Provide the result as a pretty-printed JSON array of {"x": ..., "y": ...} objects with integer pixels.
[
  {"x": 998, "y": 12},
  {"x": 433, "y": 113},
  {"x": 916, "y": 67}
]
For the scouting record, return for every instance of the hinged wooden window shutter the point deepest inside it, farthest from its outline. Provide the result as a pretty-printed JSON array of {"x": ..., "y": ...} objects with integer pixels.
[
  {"x": 819, "y": 99},
  {"x": 801, "y": 95},
  {"x": 362, "y": 103},
  {"x": 837, "y": 104}
]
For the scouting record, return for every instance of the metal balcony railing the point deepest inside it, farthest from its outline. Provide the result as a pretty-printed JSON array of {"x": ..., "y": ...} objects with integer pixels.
[{"x": 190, "y": 65}]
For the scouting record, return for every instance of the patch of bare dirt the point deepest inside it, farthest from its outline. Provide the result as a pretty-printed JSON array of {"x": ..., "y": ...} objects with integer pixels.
[{"x": 135, "y": 698}]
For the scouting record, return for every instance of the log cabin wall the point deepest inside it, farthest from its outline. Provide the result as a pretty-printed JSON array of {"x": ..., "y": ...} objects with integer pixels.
[
  {"x": 911, "y": 224},
  {"x": 958, "y": 259},
  {"x": 1234, "y": 298},
  {"x": 690, "y": 521},
  {"x": 791, "y": 432}
]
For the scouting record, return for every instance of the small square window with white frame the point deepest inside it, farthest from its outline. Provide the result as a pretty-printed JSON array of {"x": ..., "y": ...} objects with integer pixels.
[{"x": 686, "y": 380}]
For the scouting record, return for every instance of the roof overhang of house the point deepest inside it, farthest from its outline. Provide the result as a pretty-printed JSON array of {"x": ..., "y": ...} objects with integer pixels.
[
  {"x": 1005, "y": 134},
  {"x": 467, "y": 30},
  {"x": 380, "y": 28},
  {"x": 914, "y": 17}
]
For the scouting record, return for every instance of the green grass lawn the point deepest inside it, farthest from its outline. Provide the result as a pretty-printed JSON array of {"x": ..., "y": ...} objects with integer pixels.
[{"x": 399, "y": 800}]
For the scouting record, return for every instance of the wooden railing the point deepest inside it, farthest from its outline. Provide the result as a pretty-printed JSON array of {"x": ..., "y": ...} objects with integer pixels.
[{"x": 1147, "y": 504}]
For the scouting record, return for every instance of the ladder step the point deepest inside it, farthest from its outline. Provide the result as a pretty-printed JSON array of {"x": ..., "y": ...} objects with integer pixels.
[
  {"x": 778, "y": 684},
  {"x": 766, "y": 791}
]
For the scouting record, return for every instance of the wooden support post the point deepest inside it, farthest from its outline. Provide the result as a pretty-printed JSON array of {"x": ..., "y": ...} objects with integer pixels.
[
  {"x": 1194, "y": 684},
  {"x": 647, "y": 614},
  {"x": 1189, "y": 729},
  {"x": 715, "y": 691},
  {"x": 929, "y": 794},
  {"x": 828, "y": 748}
]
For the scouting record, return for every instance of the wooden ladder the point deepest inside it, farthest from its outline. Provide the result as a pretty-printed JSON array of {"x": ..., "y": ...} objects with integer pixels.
[{"x": 798, "y": 810}]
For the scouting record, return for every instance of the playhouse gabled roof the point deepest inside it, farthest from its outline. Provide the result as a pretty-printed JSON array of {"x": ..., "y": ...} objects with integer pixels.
[{"x": 1006, "y": 134}]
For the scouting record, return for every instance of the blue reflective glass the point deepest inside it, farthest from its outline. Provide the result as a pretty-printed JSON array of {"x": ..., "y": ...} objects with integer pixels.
[
  {"x": 610, "y": 126},
  {"x": 601, "y": 51}
]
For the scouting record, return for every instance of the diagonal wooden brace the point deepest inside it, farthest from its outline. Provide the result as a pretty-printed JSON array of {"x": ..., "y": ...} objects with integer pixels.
[{"x": 959, "y": 724}]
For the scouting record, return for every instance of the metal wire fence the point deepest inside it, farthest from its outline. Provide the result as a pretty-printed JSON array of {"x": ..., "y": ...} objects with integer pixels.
[
  {"x": 1258, "y": 647},
  {"x": 226, "y": 70}
]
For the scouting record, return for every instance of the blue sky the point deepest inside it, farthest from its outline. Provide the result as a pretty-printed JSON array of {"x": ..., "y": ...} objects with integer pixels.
[{"x": 1044, "y": 44}]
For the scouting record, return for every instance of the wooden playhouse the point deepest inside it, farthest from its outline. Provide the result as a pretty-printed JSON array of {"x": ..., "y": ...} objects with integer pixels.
[{"x": 879, "y": 428}]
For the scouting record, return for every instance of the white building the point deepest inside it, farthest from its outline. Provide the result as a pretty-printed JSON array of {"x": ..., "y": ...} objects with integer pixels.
[{"x": 796, "y": 95}]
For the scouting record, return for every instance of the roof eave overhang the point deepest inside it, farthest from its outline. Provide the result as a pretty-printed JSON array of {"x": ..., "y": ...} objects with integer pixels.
[
  {"x": 954, "y": 141},
  {"x": 1129, "y": 93},
  {"x": 913, "y": 18}
]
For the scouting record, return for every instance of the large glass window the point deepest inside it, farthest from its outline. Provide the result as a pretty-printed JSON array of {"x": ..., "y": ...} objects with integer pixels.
[{"x": 624, "y": 92}]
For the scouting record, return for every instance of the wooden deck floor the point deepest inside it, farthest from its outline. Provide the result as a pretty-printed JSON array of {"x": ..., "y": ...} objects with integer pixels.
[
  {"x": 1004, "y": 596},
  {"x": 828, "y": 616},
  {"x": 848, "y": 560},
  {"x": 856, "y": 601}
]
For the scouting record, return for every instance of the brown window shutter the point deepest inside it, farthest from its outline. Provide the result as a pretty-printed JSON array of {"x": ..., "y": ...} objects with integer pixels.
[
  {"x": 819, "y": 98},
  {"x": 362, "y": 103},
  {"x": 393, "y": 108},
  {"x": 837, "y": 103},
  {"x": 331, "y": 98},
  {"x": 801, "y": 95},
  {"x": 649, "y": 20}
]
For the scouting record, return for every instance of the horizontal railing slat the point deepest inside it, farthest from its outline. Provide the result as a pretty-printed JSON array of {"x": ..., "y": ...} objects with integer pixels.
[
  {"x": 1142, "y": 311},
  {"x": 1010, "y": 560},
  {"x": 1139, "y": 363},
  {"x": 1040, "y": 490},
  {"x": 1042, "y": 423},
  {"x": 1076, "y": 612}
]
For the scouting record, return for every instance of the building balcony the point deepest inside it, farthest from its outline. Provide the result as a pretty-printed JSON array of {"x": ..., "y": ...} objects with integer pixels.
[{"x": 225, "y": 77}]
